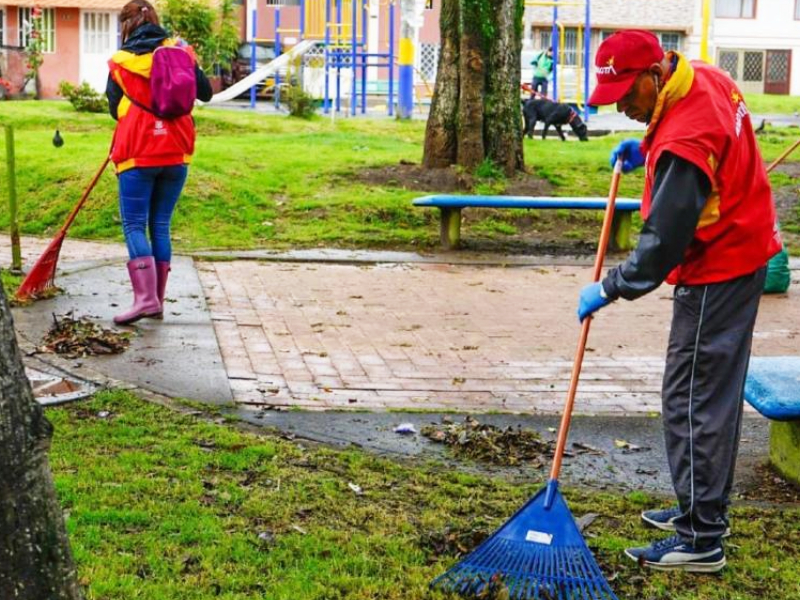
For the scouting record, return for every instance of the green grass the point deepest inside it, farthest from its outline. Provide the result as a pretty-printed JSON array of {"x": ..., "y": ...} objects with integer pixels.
[
  {"x": 274, "y": 182},
  {"x": 167, "y": 506}
]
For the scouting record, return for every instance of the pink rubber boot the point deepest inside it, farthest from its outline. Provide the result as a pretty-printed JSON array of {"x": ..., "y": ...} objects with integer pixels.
[
  {"x": 144, "y": 280},
  {"x": 162, "y": 272}
]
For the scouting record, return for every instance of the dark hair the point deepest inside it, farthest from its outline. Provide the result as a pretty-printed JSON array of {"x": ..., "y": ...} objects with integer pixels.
[{"x": 135, "y": 14}]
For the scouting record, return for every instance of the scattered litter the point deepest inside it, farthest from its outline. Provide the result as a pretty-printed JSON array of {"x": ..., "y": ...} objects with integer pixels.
[
  {"x": 641, "y": 471},
  {"x": 628, "y": 448},
  {"x": 104, "y": 414},
  {"x": 266, "y": 537},
  {"x": 491, "y": 444},
  {"x": 356, "y": 489},
  {"x": 405, "y": 429},
  {"x": 585, "y": 521},
  {"x": 586, "y": 449},
  {"x": 299, "y": 530},
  {"x": 75, "y": 338}
]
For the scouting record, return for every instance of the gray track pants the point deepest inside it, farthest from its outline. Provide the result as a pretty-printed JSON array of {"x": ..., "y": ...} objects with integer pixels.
[{"x": 706, "y": 367}]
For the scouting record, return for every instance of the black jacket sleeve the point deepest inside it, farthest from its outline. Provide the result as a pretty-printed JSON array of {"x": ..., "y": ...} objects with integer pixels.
[
  {"x": 204, "y": 91},
  {"x": 680, "y": 191},
  {"x": 114, "y": 94}
]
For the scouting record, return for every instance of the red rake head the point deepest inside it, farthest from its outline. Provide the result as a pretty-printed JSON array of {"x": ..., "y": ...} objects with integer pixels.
[{"x": 43, "y": 274}]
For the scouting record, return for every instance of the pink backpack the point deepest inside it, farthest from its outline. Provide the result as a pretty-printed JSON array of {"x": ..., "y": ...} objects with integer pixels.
[{"x": 173, "y": 83}]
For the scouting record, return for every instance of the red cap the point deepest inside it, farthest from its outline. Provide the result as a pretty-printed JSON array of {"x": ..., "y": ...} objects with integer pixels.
[{"x": 619, "y": 60}]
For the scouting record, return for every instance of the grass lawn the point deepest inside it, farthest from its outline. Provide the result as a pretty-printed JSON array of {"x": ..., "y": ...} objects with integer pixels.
[
  {"x": 274, "y": 182},
  {"x": 163, "y": 505}
]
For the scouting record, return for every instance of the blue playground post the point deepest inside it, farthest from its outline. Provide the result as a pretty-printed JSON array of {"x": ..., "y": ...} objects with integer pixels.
[
  {"x": 353, "y": 58},
  {"x": 277, "y": 91},
  {"x": 254, "y": 29},
  {"x": 391, "y": 57},
  {"x": 554, "y": 43}
]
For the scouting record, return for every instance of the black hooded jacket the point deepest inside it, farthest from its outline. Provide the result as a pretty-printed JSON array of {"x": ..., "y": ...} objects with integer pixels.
[{"x": 143, "y": 40}]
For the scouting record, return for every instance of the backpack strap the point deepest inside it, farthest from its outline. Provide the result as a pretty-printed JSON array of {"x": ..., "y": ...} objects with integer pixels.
[{"x": 140, "y": 105}]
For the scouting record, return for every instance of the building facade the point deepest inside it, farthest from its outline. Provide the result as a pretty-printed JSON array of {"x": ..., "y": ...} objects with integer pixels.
[{"x": 78, "y": 37}]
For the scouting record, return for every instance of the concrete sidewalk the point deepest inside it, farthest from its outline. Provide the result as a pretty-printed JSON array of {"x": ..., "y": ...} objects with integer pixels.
[{"x": 370, "y": 337}]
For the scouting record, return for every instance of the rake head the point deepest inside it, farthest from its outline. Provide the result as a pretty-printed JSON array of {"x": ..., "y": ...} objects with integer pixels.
[
  {"x": 42, "y": 276},
  {"x": 538, "y": 554}
]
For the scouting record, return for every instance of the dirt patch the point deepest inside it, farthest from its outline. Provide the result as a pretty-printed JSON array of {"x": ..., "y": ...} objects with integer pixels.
[
  {"x": 412, "y": 176},
  {"x": 768, "y": 486},
  {"x": 73, "y": 338}
]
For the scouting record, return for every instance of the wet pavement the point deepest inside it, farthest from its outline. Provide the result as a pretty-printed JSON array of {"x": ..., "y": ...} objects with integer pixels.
[{"x": 368, "y": 341}]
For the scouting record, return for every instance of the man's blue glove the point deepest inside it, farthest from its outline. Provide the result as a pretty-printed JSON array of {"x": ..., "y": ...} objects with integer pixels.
[
  {"x": 631, "y": 154},
  {"x": 592, "y": 299}
]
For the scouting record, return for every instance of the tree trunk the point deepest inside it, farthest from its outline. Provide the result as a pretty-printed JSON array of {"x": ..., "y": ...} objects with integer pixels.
[
  {"x": 503, "y": 115},
  {"x": 440, "y": 133},
  {"x": 471, "y": 150},
  {"x": 475, "y": 112},
  {"x": 35, "y": 557}
]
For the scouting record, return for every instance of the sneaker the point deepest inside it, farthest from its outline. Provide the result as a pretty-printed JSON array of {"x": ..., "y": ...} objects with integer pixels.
[
  {"x": 665, "y": 519},
  {"x": 675, "y": 554}
]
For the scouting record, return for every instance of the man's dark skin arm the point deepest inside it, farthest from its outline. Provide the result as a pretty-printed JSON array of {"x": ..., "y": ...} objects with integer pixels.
[{"x": 680, "y": 191}]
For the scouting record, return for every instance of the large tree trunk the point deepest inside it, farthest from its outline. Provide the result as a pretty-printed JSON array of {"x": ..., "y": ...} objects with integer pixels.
[
  {"x": 503, "y": 108},
  {"x": 471, "y": 150},
  {"x": 475, "y": 113},
  {"x": 440, "y": 135},
  {"x": 35, "y": 558}
]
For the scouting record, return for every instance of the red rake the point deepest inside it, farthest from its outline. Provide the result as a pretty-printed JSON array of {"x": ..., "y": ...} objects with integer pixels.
[{"x": 42, "y": 276}]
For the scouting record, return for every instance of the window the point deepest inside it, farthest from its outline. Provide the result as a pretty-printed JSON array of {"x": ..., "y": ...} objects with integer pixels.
[
  {"x": 572, "y": 55},
  {"x": 670, "y": 41},
  {"x": 736, "y": 9},
  {"x": 797, "y": 9},
  {"x": 48, "y": 31},
  {"x": 753, "y": 66},
  {"x": 2, "y": 26},
  {"x": 96, "y": 32}
]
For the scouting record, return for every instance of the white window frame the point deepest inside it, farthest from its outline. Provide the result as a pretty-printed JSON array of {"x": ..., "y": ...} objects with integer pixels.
[
  {"x": 677, "y": 34},
  {"x": 48, "y": 33},
  {"x": 3, "y": 21}
]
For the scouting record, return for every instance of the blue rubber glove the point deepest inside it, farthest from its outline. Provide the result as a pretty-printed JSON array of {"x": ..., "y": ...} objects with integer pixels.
[
  {"x": 592, "y": 299},
  {"x": 630, "y": 151}
]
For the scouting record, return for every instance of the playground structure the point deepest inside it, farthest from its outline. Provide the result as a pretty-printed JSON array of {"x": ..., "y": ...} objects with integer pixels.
[
  {"x": 341, "y": 29},
  {"x": 567, "y": 81}
]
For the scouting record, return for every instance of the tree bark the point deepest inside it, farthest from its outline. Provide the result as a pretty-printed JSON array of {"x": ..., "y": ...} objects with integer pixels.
[
  {"x": 503, "y": 115},
  {"x": 440, "y": 133},
  {"x": 35, "y": 558},
  {"x": 475, "y": 112}
]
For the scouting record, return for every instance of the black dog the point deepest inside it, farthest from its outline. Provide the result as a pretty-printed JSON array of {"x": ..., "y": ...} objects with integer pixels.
[{"x": 552, "y": 113}]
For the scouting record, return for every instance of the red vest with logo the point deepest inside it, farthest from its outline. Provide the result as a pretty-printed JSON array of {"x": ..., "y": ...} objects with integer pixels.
[
  {"x": 143, "y": 139},
  {"x": 710, "y": 127}
]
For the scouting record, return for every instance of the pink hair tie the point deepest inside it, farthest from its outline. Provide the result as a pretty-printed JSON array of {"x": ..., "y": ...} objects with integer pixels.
[{"x": 144, "y": 9}]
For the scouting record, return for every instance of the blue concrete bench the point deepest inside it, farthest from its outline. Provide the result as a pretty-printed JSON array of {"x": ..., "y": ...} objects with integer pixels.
[
  {"x": 450, "y": 212},
  {"x": 773, "y": 389}
]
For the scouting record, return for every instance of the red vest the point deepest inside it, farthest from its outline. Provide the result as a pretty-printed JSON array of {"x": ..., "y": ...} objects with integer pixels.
[
  {"x": 710, "y": 127},
  {"x": 143, "y": 139}
]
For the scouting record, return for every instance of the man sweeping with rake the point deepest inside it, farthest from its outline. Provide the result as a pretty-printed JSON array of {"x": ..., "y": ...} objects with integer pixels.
[{"x": 710, "y": 228}]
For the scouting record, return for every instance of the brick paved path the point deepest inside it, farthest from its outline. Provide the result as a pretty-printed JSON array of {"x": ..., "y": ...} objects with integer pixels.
[
  {"x": 432, "y": 336},
  {"x": 322, "y": 336}
]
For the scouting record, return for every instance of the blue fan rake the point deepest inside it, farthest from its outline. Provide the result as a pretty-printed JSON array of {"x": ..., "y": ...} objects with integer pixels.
[{"x": 539, "y": 553}]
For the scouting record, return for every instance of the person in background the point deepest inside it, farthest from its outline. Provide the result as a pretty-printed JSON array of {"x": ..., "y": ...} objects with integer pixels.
[
  {"x": 542, "y": 67},
  {"x": 709, "y": 229},
  {"x": 151, "y": 155}
]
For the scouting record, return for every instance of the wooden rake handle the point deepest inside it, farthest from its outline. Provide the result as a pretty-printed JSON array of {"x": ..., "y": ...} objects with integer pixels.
[
  {"x": 605, "y": 235},
  {"x": 85, "y": 195},
  {"x": 786, "y": 153}
]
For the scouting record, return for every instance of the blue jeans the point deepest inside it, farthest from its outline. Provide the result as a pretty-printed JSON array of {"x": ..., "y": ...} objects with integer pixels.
[{"x": 147, "y": 197}]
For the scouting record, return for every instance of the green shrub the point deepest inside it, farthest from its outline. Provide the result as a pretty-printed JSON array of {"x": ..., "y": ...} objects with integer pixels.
[
  {"x": 299, "y": 102},
  {"x": 83, "y": 97}
]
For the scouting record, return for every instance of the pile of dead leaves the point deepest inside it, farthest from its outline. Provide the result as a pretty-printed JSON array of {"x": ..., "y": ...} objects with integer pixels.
[
  {"x": 509, "y": 446},
  {"x": 74, "y": 338}
]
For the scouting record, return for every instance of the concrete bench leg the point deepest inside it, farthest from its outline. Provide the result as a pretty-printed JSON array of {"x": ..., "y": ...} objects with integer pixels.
[
  {"x": 621, "y": 231},
  {"x": 450, "y": 227},
  {"x": 784, "y": 448}
]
